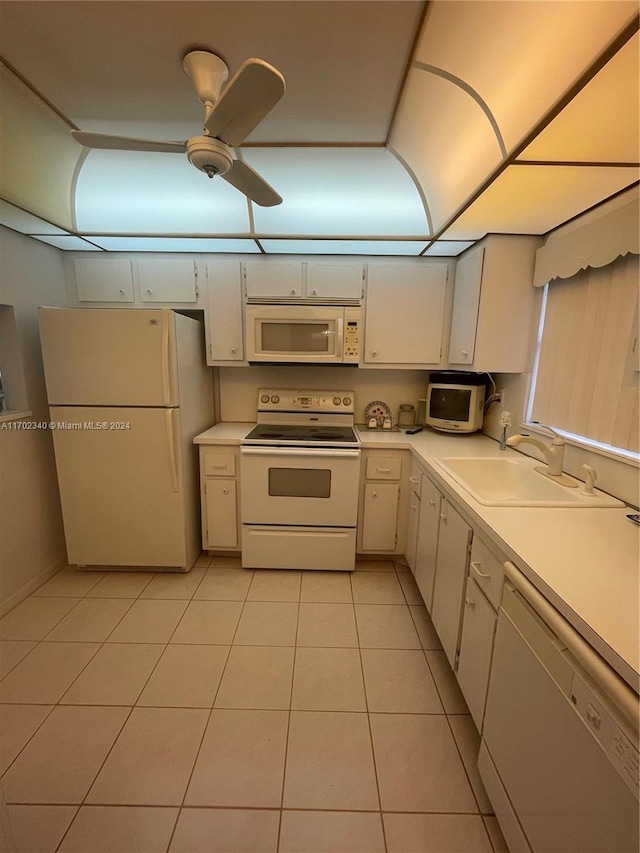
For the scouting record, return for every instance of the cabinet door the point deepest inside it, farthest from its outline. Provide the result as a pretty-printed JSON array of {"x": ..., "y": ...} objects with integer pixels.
[
  {"x": 380, "y": 516},
  {"x": 221, "y": 516},
  {"x": 269, "y": 279},
  {"x": 427, "y": 545},
  {"x": 476, "y": 646},
  {"x": 412, "y": 531},
  {"x": 404, "y": 313},
  {"x": 466, "y": 299},
  {"x": 170, "y": 280},
  {"x": 103, "y": 280},
  {"x": 223, "y": 324},
  {"x": 454, "y": 536},
  {"x": 329, "y": 279}
]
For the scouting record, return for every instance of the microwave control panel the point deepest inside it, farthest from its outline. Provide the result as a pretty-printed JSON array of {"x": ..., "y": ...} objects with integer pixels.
[{"x": 351, "y": 343}]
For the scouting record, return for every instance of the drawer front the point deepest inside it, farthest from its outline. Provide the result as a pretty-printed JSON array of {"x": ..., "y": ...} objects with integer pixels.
[
  {"x": 486, "y": 570},
  {"x": 383, "y": 468},
  {"x": 219, "y": 465}
]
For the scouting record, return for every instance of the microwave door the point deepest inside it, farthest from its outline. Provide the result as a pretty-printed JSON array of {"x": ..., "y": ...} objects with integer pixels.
[{"x": 297, "y": 340}]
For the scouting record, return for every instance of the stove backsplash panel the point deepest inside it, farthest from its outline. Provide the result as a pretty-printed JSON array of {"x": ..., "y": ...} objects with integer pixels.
[{"x": 239, "y": 386}]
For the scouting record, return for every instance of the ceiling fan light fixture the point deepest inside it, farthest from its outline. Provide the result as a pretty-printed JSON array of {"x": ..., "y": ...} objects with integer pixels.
[{"x": 209, "y": 155}]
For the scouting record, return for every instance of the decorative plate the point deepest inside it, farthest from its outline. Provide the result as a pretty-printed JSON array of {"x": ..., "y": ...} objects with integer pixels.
[{"x": 378, "y": 410}]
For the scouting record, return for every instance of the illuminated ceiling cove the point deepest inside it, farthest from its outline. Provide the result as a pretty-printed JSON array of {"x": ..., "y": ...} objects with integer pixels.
[{"x": 407, "y": 128}]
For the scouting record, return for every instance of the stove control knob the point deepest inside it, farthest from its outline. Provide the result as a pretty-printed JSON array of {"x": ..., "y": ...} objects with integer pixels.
[
  {"x": 346, "y": 401},
  {"x": 275, "y": 398},
  {"x": 264, "y": 398},
  {"x": 336, "y": 401}
]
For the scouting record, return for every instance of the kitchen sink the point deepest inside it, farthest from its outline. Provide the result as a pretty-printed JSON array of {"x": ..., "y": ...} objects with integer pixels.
[{"x": 515, "y": 482}]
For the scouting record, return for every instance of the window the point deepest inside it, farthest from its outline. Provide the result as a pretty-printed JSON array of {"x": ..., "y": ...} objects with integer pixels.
[{"x": 586, "y": 371}]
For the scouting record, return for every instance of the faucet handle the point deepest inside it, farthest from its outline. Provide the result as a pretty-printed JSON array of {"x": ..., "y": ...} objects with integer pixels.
[
  {"x": 590, "y": 479},
  {"x": 557, "y": 438}
]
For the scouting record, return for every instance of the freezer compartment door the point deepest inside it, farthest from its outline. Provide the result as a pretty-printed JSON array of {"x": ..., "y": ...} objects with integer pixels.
[
  {"x": 325, "y": 549},
  {"x": 109, "y": 356},
  {"x": 121, "y": 485}
]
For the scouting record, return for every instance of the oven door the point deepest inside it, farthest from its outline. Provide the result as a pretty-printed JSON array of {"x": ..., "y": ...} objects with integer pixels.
[
  {"x": 294, "y": 333},
  {"x": 316, "y": 487}
]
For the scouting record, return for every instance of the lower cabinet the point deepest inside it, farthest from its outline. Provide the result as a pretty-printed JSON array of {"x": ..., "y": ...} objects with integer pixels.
[
  {"x": 382, "y": 515},
  {"x": 427, "y": 540},
  {"x": 480, "y": 617},
  {"x": 454, "y": 540},
  {"x": 219, "y": 497}
]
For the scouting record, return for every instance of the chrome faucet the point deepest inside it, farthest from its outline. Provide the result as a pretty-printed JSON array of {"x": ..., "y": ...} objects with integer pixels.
[{"x": 554, "y": 454}]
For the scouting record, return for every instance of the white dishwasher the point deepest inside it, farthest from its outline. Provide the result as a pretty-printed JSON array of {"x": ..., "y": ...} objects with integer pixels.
[{"x": 559, "y": 753}]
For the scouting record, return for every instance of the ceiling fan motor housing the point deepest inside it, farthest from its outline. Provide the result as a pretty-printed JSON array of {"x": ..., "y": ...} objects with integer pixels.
[{"x": 209, "y": 155}]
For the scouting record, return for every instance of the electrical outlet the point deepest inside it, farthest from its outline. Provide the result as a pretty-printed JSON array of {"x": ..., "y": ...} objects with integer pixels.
[{"x": 500, "y": 395}]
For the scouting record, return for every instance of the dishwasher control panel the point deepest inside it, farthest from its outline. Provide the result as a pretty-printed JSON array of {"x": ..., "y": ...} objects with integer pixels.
[{"x": 619, "y": 749}]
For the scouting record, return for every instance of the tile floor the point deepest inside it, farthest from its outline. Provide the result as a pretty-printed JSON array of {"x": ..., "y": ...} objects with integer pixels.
[{"x": 236, "y": 711}]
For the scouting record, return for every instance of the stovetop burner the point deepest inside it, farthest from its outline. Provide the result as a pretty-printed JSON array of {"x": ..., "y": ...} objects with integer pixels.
[{"x": 264, "y": 432}]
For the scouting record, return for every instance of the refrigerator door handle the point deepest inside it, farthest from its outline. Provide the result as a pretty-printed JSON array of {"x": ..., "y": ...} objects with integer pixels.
[
  {"x": 173, "y": 459},
  {"x": 166, "y": 370}
]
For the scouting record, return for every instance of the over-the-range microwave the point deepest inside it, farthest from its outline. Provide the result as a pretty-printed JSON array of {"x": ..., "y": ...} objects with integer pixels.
[{"x": 309, "y": 334}]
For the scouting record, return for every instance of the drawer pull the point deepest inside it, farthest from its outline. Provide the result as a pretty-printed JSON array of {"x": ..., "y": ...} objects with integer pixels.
[
  {"x": 432, "y": 502},
  {"x": 469, "y": 602},
  {"x": 443, "y": 517},
  {"x": 384, "y": 470},
  {"x": 223, "y": 465},
  {"x": 413, "y": 479},
  {"x": 476, "y": 568}
]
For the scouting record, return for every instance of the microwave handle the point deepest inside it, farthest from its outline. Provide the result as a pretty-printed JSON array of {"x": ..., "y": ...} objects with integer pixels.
[{"x": 339, "y": 338}]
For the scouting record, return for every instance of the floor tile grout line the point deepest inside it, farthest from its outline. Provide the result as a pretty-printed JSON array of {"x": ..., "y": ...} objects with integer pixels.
[
  {"x": 286, "y": 741},
  {"x": 373, "y": 752},
  {"x": 464, "y": 766},
  {"x": 24, "y": 746}
]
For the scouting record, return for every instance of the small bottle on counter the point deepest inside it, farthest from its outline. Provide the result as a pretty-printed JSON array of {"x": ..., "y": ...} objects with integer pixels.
[{"x": 406, "y": 415}]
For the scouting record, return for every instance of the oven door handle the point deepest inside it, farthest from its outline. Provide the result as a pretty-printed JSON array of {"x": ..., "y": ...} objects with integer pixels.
[{"x": 299, "y": 452}]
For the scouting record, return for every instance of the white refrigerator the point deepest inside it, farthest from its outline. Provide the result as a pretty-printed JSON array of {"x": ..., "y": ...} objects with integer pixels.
[{"x": 128, "y": 390}]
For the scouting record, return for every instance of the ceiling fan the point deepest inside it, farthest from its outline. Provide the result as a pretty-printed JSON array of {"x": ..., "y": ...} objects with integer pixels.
[{"x": 252, "y": 92}]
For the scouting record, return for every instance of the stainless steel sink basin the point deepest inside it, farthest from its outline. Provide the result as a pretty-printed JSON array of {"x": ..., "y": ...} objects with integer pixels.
[{"x": 515, "y": 482}]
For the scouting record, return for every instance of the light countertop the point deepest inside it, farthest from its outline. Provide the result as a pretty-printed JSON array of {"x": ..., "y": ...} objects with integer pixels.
[{"x": 584, "y": 561}]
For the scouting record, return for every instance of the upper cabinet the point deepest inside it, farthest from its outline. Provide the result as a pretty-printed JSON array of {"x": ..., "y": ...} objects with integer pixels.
[
  {"x": 135, "y": 281},
  {"x": 493, "y": 305},
  {"x": 404, "y": 313},
  {"x": 224, "y": 329},
  {"x": 103, "y": 280},
  {"x": 319, "y": 279},
  {"x": 171, "y": 280}
]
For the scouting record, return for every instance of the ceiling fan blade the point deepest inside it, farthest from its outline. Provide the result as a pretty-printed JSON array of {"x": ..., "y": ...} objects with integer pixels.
[
  {"x": 252, "y": 92},
  {"x": 124, "y": 143},
  {"x": 248, "y": 181}
]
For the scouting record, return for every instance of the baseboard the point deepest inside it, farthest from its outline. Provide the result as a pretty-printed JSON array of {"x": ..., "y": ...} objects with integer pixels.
[{"x": 26, "y": 590}]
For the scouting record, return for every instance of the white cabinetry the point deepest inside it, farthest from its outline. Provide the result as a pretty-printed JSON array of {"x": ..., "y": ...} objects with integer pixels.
[
  {"x": 219, "y": 497},
  {"x": 315, "y": 279},
  {"x": 415, "y": 480},
  {"x": 404, "y": 314},
  {"x": 224, "y": 314},
  {"x": 382, "y": 511},
  {"x": 454, "y": 538},
  {"x": 427, "y": 543},
  {"x": 103, "y": 280},
  {"x": 493, "y": 305},
  {"x": 168, "y": 280},
  {"x": 478, "y": 628}
]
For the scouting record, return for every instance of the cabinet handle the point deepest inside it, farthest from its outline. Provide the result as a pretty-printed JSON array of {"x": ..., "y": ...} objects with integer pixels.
[
  {"x": 293, "y": 293},
  {"x": 465, "y": 352},
  {"x": 443, "y": 517},
  {"x": 412, "y": 507},
  {"x": 384, "y": 470},
  {"x": 374, "y": 494},
  {"x": 476, "y": 568},
  {"x": 224, "y": 465},
  {"x": 225, "y": 491},
  {"x": 411, "y": 479},
  {"x": 374, "y": 352},
  {"x": 469, "y": 602},
  {"x": 121, "y": 291},
  {"x": 234, "y": 350},
  {"x": 432, "y": 502},
  {"x": 149, "y": 290},
  {"x": 314, "y": 292}
]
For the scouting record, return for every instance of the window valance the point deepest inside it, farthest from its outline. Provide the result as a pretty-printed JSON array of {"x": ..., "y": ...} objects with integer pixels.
[{"x": 596, "y": 243}]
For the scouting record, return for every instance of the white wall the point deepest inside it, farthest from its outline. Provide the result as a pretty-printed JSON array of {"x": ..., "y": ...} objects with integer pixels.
[
  {"x": 31, "y": 535},
  {"x": 239, "y": 386}
]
